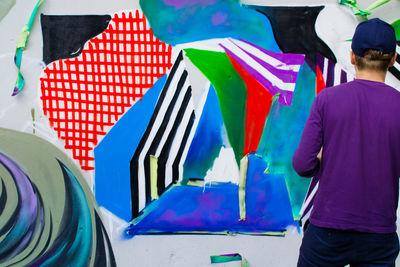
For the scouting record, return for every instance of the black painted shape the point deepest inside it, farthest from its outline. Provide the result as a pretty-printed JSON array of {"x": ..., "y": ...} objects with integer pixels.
[
  {"x": 134, "y": 164},
  {"x": 294, "y": 31},
  {"x": 104, "y": 253},
  {"x": 175, "y": 165},
  {"x": 165, "y": 152},
  {"x": 3, "y": 197},
  {"x": 395, "y": 71},
  {"x": 65, "y": 36}
]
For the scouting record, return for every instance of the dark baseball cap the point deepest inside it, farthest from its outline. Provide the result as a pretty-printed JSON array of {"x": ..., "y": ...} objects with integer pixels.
[{"x": 374, "y": 34}]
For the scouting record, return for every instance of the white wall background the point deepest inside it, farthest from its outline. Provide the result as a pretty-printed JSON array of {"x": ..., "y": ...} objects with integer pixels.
[{"x": 165, "y": 250}]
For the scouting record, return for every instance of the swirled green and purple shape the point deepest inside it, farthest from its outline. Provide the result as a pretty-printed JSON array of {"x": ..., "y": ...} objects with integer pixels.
[{"x": 48, "y": 216}]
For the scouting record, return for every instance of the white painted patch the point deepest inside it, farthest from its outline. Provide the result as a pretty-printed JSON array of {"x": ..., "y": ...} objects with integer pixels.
[{"x": 225, "y": 168}]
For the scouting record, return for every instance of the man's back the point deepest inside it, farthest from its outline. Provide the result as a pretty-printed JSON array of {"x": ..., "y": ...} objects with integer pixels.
[
  {"x": 356, "y": 128},
  {"x": 360, "y": 167}
]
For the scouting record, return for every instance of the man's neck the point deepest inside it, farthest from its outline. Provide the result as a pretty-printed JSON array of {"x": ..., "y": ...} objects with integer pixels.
[{"x": 371, "y": 75}]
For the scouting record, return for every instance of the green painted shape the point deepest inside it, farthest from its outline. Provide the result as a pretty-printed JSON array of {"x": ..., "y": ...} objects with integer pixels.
[
  {"x": 396, "y": 26},
  {"x": 282, "y": 134},
  {"x": 231, "y": 92},
  {"x": 354, "y": 7},
  {"x": 377, "y": 4},
  {"x": 222, "y": 258}
]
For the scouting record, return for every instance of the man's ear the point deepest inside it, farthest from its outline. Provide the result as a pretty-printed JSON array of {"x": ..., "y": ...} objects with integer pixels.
[
  {"x": 393, "y": 60},
  {"x": 353, "y": 58}
]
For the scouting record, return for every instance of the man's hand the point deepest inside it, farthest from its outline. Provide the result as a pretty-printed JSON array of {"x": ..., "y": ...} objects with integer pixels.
[{"x": 319, "y": 156}]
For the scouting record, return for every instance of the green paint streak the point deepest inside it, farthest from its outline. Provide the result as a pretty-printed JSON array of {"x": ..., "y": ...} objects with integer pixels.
[
  {"x": 33, "y": 120},
  {"x": 153, "y": 176},
  {"x": 242, "y": 187},
  {"x": 358, "y": 11},
  {"x": 354, "y": 7},
  {"x": 23, "y": 40},
  {"x": 376, "y": 4},
  {"x": 282, "y": 133},
  {"x": 229, "y": 258},
  {"x": 222, "y": 259},
  {"x": 231, "y": 92},
  {"x": 396, "y": 26}
]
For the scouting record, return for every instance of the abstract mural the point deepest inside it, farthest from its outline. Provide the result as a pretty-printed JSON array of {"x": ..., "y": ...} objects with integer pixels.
[
  {"x": 186, "y": 114},
  {"x": 255, "y": 109}
]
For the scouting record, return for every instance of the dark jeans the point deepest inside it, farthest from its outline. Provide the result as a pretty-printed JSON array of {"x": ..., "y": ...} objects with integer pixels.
[{"x": 330, "y": 247}]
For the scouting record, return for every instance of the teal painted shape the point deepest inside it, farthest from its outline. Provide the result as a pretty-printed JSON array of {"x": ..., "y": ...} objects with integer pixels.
[
  {"x": 182, "y": 21},
  {"x": 76, "y": 250},
  {"x": 282, "y": 134}
]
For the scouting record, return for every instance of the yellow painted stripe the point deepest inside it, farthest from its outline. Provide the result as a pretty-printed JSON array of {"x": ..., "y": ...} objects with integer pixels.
[{"x": 153, "y": 176}]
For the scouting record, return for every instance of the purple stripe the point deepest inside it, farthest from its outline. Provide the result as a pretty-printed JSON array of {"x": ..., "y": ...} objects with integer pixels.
[
  {"x": 27, "y": 212},
  {"x": 288, "y": 76},
  {"x": 320, "y": 62},
  {"x": 230, "y": 255},
  {"x": 287, "y": 58},
  {"x": 285, "y": 97},
  {"x": 313, "y": 184},
  {"x": 27, "y": 196},
  {"x": 343, "y": 76},
  {"x": 331, "y": 74},
  {"x": 307, "y": 210}
]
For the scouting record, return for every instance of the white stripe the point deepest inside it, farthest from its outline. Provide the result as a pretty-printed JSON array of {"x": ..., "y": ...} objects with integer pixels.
[
  {"x": 176, "y": 143},
  {"x": 397, "y": 65},
  {"x": 308, "y": 200},
  {"x": 265, "y": 57},
  {"x": 259, "y": 68},
  {"x": 338, "y": 73},
  {"x": 198, "y": 113},
  {"x": 350, "y": 76},
  {"x": 172, "y": 118},
  {"x": 325, "y": 72},
  {"x": 168, "y": 97}
]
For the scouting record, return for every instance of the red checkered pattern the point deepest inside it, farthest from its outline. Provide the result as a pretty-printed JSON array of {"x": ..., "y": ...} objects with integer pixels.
[{"x": 81, "y": 96}]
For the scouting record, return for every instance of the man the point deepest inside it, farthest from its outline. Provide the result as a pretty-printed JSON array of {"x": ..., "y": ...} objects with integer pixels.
[{"x": 353, "y": 220}]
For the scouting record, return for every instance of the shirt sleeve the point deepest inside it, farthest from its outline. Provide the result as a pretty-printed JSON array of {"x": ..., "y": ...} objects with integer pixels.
[{"x": 305, "y": 161}]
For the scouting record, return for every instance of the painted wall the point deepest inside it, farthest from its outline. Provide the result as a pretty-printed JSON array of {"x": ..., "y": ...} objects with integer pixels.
[{"x": 26, "y": 113}]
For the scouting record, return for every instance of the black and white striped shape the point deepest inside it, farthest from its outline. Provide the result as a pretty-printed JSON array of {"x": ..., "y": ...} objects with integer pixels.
[
  {"x": 167, "y": 137},
  {"x": 395, "y": 70},
  {"x": 332, "y": 72}
]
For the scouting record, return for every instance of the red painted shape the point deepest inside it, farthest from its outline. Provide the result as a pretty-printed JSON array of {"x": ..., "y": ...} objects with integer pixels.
[
  {"x": 258, "y": 105},
  {"x": 320, "y": 83},
  {"x": 84, "y": 95}
]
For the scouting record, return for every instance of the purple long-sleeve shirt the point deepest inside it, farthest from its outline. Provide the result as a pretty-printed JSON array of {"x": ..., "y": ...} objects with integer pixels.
[{"x": 358, "y": 125}]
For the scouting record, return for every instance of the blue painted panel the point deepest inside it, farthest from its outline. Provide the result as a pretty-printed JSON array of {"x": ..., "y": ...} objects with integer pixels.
[{"x": 115, "y": 151}]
